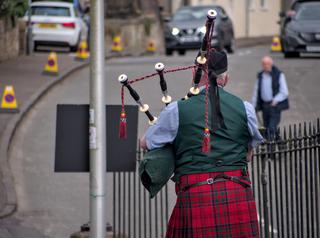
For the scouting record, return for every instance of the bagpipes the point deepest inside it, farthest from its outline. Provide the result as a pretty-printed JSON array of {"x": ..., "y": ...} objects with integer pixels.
[{"x": 200, "y": 66}]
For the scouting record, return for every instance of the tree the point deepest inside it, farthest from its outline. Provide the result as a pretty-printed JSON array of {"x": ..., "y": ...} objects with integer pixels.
[{"x": 13, "y": 8}]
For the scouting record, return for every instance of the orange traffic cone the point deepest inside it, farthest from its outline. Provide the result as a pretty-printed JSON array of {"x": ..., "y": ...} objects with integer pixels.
[
  {"x": 9, "y": 101},
  {"x": 51, "y": 68},
  {"x": 276, "y": 44},
  {"x": 82, "y": 53},
  {"x": 151, "y": 47},
  {"x": 116, "y": 44}
]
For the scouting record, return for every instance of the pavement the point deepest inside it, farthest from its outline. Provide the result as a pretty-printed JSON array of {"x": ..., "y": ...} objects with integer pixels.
[{"x": 25, "y": 75}]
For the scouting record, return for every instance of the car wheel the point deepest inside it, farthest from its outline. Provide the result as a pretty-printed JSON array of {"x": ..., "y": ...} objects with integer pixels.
[
  {"x": 182, "y": 52},
  {"x": 74, "y": 48},
  {"x": 35, "y": 46},
  {"x": 169, "y": 51},
  {"x": 291, "y": 54}
]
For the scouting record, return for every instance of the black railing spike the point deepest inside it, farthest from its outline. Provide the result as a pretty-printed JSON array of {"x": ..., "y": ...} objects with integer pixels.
[
  {"x": 295, "y": 137},
  {"x": 314, "y": 131},
  {"x": 305, "y": 129},
  {"x": 278, "y": 134},
  {"x": 310, "y": 135},
  {"x": 310, "y": 126},
  {"x": 290, "y": 137},
  {"x": 318, "y": 131},
  {"x": 305, "y": 136},
  {"x": 300, "y": 130},
  {"x": 267, "y": 135},
  {"x": 318, "y": 136},
  {"x": 300, "y": 135},
  {"x": 284, "y": 141},
  {"x": 314, "y": 134}
]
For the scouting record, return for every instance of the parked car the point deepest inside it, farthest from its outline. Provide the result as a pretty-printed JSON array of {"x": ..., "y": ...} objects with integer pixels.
[
  {"x": 55, "y": 24},
  {"x": 296, "y": 4},
  {"x": 187, "y": 27},
  {"x": 300, "y": 30}
]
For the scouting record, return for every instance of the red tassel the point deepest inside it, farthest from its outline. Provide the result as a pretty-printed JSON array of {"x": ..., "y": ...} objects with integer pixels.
[
  {"x": 123, "y": 126},
  {"x": 206, "y": 141}
]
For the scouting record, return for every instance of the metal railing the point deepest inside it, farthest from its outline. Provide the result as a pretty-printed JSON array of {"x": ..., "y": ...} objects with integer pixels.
[
  {"x": 285, "y": 174},
  {"x": 135, "y": 215}
]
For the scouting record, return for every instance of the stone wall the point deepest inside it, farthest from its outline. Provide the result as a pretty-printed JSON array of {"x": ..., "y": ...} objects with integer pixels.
[
  {"x": 135, "y": 33},
  {"x": 9, "y": 39}
]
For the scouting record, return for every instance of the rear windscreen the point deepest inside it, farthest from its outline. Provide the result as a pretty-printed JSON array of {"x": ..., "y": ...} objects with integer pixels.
[{"x": 50, "y": 11}]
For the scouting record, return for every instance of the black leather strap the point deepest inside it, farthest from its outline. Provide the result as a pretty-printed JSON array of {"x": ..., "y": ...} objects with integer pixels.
[{"x": 242, "y": 180}]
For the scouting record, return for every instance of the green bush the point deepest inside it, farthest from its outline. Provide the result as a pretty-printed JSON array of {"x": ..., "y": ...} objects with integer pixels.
[{"x": 13, "y": 8}]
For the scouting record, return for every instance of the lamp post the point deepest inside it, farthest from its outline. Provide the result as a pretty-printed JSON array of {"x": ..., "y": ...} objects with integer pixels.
[
  {"x": 29, "y": 44},
  {"x": 97, "y": 122}
]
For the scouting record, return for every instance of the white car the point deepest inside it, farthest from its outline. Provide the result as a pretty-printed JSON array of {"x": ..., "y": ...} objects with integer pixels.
[{"x": 56, "y": 24}]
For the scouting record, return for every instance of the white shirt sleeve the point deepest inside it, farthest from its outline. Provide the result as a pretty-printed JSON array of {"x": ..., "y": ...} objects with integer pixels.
[
  {"x": 256, "y": 137},
  {"x": 255, "y": 94},
  {"x": 166, "y": 128}
]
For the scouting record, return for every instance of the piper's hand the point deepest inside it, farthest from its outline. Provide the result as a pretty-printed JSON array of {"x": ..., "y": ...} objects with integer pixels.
[{"x": 143, "y": 143}]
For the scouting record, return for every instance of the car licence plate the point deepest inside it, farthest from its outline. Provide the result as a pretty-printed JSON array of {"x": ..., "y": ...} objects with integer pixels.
[
  {"x": 48, "y": 25},
  {"x": 313, "y": 48},
  {"x": 189, "y": 39}
]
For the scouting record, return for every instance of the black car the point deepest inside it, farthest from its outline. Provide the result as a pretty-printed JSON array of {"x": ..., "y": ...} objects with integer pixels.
[
  {"x": 296, "y": 4},
  {"x": 187, "y": 27},
  {"x": 300, "y": 30}
]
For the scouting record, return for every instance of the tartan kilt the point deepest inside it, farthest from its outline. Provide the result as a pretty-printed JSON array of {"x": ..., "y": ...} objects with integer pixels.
[{"x": 223, "y": 209}]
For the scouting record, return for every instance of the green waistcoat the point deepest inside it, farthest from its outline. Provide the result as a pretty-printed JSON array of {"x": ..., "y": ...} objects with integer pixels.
[{"x": 228, "y": 146}]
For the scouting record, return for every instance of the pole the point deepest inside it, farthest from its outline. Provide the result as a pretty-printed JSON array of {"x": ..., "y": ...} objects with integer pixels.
[
  {"x": 29, "y": 45},
  {"x": 97, "y": 122}
]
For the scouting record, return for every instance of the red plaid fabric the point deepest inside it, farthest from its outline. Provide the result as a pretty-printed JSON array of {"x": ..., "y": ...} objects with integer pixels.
[{"x": 224, "y": 209}]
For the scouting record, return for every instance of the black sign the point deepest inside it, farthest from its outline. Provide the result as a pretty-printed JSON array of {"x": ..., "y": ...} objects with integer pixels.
[{"x": 72, "y": 139}]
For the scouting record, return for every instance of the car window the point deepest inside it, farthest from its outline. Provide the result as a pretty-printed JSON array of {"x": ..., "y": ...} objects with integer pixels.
[
  {"x": 310, "y": 12},
  {"x": 190, "y": 14},
  {"x": 50, "y": 11}
]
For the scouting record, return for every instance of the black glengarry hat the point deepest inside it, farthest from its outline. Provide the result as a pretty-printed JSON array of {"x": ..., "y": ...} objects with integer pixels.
[{"x": 218, "y": 62}]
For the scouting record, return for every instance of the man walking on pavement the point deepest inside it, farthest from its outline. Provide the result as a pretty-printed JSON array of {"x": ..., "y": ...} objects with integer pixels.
[
  {"x": 214, "y": 194},
  {"x": 270, "y": 95}
]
